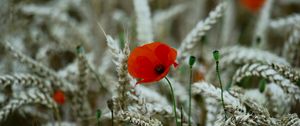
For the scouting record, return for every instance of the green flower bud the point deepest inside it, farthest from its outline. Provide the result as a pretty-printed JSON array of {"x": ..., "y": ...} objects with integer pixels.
[
  {"x": 98, "y": 113},
  {"x": 79, "y": 49},
  {"x": 192, "y": 60},
  {"x": 262, "y": 85},
  {"x": 216, "y": 55}
]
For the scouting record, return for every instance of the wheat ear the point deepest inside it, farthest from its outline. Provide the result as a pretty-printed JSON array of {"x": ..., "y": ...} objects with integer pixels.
[
  {"x": 144, "y": 21},
  {"x": 26, "y": 80},
  {"x": 285, "y": 22},
  {"x": 137, "y": 119},
  {"x": 200, "y": 30},
  {"x": 266, "y": 71},
  {"x": 41, "y": 70},
  {"x": 30, "y": 97}
]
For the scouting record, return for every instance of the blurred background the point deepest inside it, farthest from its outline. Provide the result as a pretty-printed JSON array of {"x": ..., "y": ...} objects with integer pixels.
[{"x": 51, "y": 31}]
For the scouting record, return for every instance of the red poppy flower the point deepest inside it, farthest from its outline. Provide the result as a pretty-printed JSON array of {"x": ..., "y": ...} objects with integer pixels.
[
  {"x": 253, "y": 5},
  {"x": 59, "y": 97},
  {"x": 151, "y": 62}
]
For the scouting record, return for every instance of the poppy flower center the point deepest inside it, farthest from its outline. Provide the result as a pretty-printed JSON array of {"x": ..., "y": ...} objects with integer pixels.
[{"x": 159, "y": 69}]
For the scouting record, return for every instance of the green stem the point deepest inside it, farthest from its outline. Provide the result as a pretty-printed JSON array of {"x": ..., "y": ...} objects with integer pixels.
[
  {"x": 190, "y": 95},
  {"x": 220, "y": 82},
  {"x": 56, "y": 111},
  {"x": 174, "y": 102},
  {"x": 112, "y": 117},
  {"x": 97, "y": 78},
  {"x": 98, "y": 115},
  {"x": 181, "y": 116}
]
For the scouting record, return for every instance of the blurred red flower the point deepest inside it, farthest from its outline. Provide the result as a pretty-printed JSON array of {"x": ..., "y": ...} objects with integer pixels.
[
  {"x": 253, "y": 5},
  {"x": 59, "y": 97},
  {"x": 151, "y": 62}
]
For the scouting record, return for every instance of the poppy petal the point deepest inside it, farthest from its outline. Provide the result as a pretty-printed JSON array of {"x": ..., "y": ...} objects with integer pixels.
[
  {"x": 253, "y": 5},
  {"x": 166, "y": 54},
  {"x": 59, "y": 97},
  {"x": 172, "y": 57},
  {"x": 175, "y": 64},
  {"x": 162, "y": 53},
  {"x": 144, "y": 67},
  {"x": 141, "y": 63},
  {"x": 152, "y": 46}
]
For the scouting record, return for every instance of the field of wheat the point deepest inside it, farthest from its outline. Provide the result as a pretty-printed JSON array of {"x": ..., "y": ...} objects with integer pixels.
[{"x": 149, "y": 62}]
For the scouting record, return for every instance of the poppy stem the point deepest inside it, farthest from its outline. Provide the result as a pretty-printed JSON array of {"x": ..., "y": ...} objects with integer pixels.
[
  {"x": 190, "y": 95},
  {"x": 98, "y": 115},
  {"x": 112, "y": 117},
  {"x": 191, "y": 63},
  {"x": 181, "y": 116},
  {"x": 174, "y": 101},
  {"x": 216, "y": 57},
  {"x": 56, "y": 111},
  {"x": 97, "y": 78}
]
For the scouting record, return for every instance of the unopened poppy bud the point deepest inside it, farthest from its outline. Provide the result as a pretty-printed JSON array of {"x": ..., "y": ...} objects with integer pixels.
[
  {"x": 79, "y": 49},
  {"x": 216, "y": 55},
  {"x": 98, "y": 113},
  {"x": 110, "y": 104},
  {"x": 262, "y": 85},
  {"x": 192, "y": 60}
]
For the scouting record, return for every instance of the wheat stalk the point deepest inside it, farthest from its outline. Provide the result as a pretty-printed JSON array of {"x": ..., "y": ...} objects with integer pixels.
[
  {"x": 290, "y": 120},
  {"x": 292, "y": 44},
  {"x": 59, "y": 124},
  {"x": 42, "y": 70},
  {"x": 26, "y": 80},
  {"x": 239, "y": 55},
  {"x": 125, "y": 81},
  {"x": 200, "y": 30},
  {"x": 286, "y": 22},
  {"x": 144, "y": 21},
  {"x": 137, "y": 119},
  {"x": 80, "y": 98},
  {"x": 242, "y": 55},
  {"x": 266, "y": 71},
  {"x": 213, "y": 109},
  {"x": 132, "y": 117},
  {"x": 262, "y": 24},
  {"x": 207, "y": 89},
  {"x": 30, "y": 97},
  {"x": 105, "y": 62},
  {"x": 235, "y": 105},
  {"x": 290, "y": 2},
  {"x": 228, "y": 23},
  {"x": 150, "y": 95},
  {"x": 255, "y": 114},
  {"x": 161, "y": 17},
  {"x": 287, "y": 72},
  {"x": 179, "y": 90},
  {"x": 34, "y": 112},
  {"x": 158, "y": 109},
  {"x": 240, "y": 117},
  {"x": 112, "y": 45},
  {"x": 152, "y": 103},
  {"x": 278, "y": 102}
]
